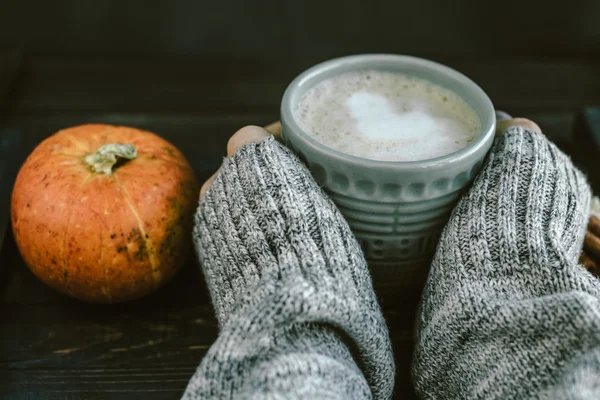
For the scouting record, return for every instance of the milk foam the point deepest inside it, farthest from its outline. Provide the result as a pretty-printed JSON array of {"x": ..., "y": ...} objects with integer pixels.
[{"x": 386, "y": 116}]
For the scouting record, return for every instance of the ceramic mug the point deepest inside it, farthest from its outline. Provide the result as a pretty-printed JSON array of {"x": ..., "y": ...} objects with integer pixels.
[{"x": 396, "y": 210}]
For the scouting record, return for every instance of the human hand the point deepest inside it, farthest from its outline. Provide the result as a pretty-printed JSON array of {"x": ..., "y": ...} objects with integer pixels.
[
  {"x": 590, "y": 256},
  {"x": 505, "y": 121},
  {"x": 252, "y": 133},
  {"x": 247, "y": 134}
]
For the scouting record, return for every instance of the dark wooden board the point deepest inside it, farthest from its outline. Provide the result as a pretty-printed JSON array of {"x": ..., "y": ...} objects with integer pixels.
[
  {"x": 212, "y": 85},
  {"x": 54, "y": 347},
  {"x": 202, "y": 139},
  {"x": 195, "y": 72},
  {"x": 10, "y": 60},
  {"x": 11, "y": 155},
  {"x": 10, "y": 144},
  {"x": 587, "y": 143}
]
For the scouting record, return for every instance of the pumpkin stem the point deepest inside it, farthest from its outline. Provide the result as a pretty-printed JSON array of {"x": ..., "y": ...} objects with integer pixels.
[{"x": 104, "y": 159}]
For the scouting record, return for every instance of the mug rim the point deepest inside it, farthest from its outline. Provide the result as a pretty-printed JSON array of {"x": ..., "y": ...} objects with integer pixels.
[{"x": 287, "y": 117}]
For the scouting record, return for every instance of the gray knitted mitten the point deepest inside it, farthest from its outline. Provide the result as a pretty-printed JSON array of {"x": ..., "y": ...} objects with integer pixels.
[
  {"x": 507, "y": 312},
  {"x": 297, "y": 314}
]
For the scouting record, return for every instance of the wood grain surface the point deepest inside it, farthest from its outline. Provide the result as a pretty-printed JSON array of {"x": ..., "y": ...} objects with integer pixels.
[
  {"x": 10, "y": 145},
  {"x": 54, "y": 347}
]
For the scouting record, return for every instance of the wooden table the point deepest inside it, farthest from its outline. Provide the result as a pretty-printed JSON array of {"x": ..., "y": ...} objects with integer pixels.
[{"x": 54, "y": 347}]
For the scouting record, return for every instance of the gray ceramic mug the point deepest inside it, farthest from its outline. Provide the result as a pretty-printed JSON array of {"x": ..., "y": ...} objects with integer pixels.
[{"x": 396, "y": 210}]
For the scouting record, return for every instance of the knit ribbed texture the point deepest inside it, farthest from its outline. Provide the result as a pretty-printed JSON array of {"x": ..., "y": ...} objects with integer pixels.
[
  {"x": 292, "y": 293},
  {"x": 507, "y": 312}
]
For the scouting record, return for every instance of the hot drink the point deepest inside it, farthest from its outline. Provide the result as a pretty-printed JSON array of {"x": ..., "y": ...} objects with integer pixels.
[
  {"x": 432, "y": 127},
  {"x": 386, "y": 116}
]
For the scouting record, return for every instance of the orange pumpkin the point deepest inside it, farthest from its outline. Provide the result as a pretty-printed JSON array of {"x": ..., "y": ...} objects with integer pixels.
[{"x": 104, "y": 213}]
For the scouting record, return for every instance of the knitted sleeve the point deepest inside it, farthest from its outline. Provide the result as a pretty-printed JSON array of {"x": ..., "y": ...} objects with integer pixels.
[
  {"x": 507, "y": 312},
  {"x": 297, "y": 314}
]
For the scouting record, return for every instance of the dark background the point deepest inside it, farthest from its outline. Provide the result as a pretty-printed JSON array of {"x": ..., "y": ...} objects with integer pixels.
[
  {"x": 208, "y": 57},
  {"x": 196, "y": 71}
]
